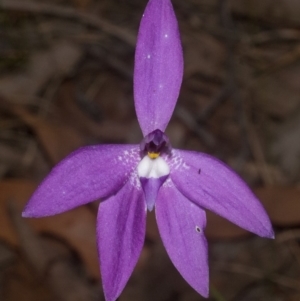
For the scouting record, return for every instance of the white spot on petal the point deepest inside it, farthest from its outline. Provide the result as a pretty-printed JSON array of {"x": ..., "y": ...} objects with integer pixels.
[
  {"x": 176, "y": 161},
  {"x": 153, "y": 168},
  {"x": 135, "y": 181},
  {"x": 198, "y": 229},
  {"x": 185, "y": 166},
  {"x": 166, "y": 35},
  {"x": 168, "y": 183},
  {"x": 148, "y": 56}
]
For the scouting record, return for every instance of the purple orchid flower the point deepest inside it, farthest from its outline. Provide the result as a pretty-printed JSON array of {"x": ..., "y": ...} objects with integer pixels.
[{"x": 133, "y": 178}]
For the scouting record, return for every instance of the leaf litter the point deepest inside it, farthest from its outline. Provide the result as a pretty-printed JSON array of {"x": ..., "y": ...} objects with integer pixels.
[{"x": 70, "y": 84}]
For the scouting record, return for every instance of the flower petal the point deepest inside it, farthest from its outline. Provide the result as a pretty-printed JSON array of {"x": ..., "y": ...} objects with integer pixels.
[
  {"x": 211, "y": 184},
  {"x": 121, "y": 233},
  {"x": 151, "y": 187},
  {"x": 158, "y": 66},
  {"x": 87, "y": 174},
  {"x": 181, "y": 225}
]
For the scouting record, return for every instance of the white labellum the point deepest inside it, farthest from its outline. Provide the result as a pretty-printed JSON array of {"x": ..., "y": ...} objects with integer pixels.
[{"x": 153, "y": 168}]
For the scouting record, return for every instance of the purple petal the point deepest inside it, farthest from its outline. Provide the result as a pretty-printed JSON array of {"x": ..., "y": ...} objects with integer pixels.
[
  {"x": 211, "y": 184},
  {"x": 87, "y": 174},
  {"x": 181, "y": 225},
  {"x": 121, "y": 233},
  {"x": 150, "y": 188},
  {"x": 158, "y": 66}
]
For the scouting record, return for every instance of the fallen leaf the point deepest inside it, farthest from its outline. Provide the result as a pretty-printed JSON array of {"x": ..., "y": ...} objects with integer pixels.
[
  {"x": 57, "y": 139},
  {"x": 56, "y": 61},
  {"x": 77, "y": 227},
  {"x": 282, "y": 204},
  {"x": 220, "y": 228}
]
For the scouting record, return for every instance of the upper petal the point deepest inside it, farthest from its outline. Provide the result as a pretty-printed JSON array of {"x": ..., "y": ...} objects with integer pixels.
[
  {"x": 87, "y": 174},
  {"x": 211, "y": 184},
  {"x": 181, "y": 225},
  {"x": 158, "y": 66},
  {"x": 121, "y": 233}
]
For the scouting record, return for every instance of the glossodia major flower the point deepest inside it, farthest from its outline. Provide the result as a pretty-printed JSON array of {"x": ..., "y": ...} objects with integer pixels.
[{"x": 130, "y": 179}]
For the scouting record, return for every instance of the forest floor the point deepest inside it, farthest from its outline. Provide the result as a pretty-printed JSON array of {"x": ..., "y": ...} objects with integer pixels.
[{"x": 66, "y": 80}]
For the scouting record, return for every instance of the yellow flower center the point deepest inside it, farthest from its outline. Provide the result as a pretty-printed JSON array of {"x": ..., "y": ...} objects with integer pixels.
[{"x": 152, "y": 155}]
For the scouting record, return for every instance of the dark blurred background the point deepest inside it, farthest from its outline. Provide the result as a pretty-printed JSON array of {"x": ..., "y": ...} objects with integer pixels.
[{"x": 66, "y": 69}]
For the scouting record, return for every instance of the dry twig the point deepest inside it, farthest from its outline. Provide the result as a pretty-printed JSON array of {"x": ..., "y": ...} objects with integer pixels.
[
  {"x": 259, "y": 156},
  {"x": 69, "y": 13},
  {"x": 186, "y": 117}
]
